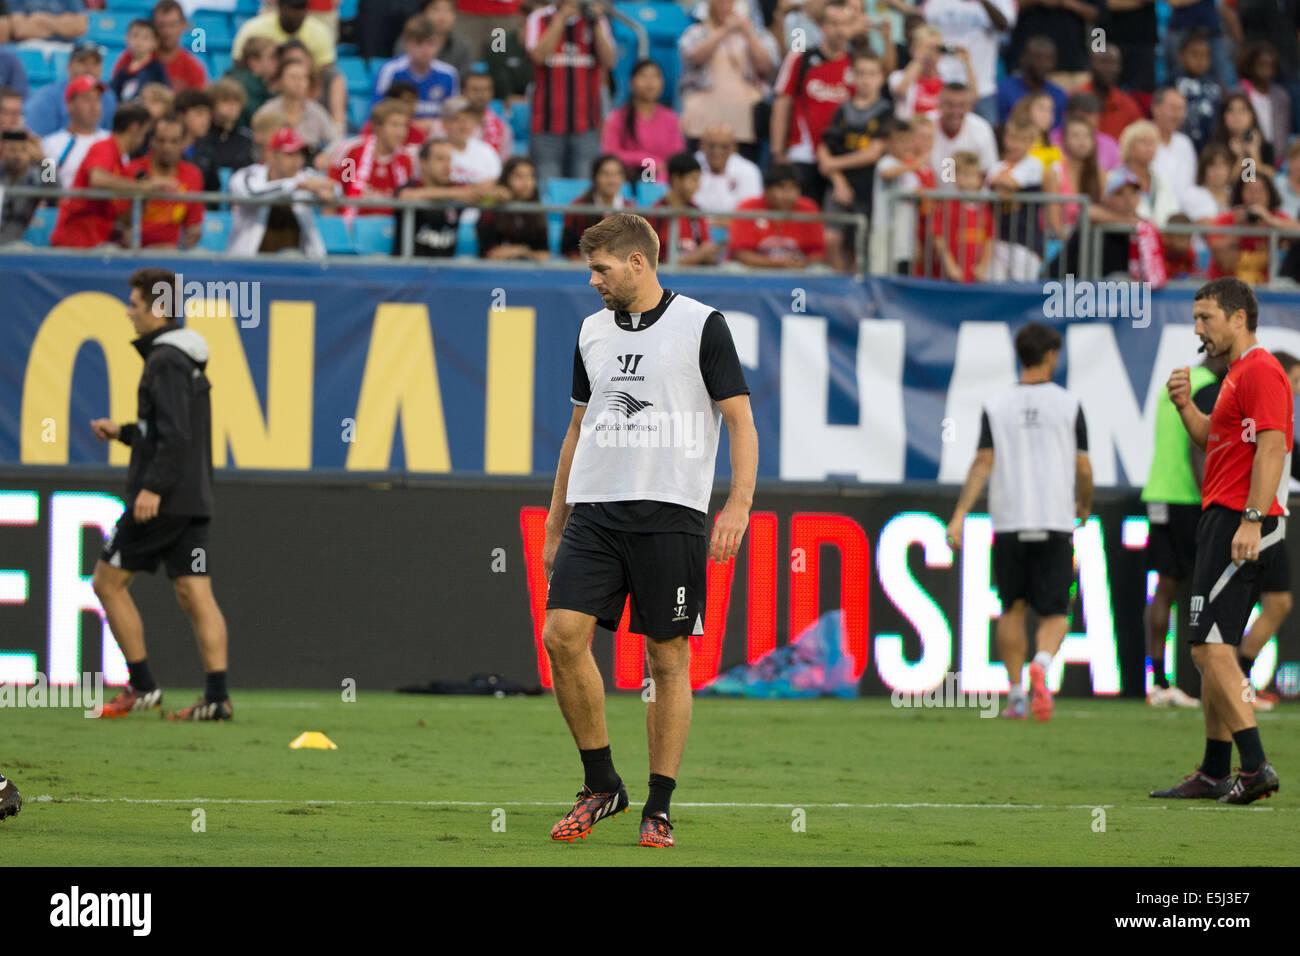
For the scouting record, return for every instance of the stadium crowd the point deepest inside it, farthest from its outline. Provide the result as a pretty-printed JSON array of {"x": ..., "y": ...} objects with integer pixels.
[{"x": 1159, "y": 115}]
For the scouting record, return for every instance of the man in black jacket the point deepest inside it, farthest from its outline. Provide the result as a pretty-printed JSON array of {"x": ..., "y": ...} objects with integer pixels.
[{"x": 169, "y": 499}]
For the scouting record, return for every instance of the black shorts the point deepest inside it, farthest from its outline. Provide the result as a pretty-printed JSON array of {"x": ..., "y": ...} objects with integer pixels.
[
  {"x": 179, "y": 541},
  {"x": 1224, "y": 593},
  {"x": 1035, "y": 566},
  {"x": 665, "y": 572},
  {"x": 1171, "y": 543}
]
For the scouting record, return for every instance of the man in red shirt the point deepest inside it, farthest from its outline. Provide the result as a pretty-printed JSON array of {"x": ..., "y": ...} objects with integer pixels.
[
  {"x": 380, "y": 163},
  {"x": 1247, "y": 442},
  {"x": 1118, "y": 109},
  {"x": 162, "y": 220},
  {"x": 809, "y": 89},
  {"x": 784, "y": 244},
  {"x": 90, "y": 222},
  {"x": 184, "y": 70}
]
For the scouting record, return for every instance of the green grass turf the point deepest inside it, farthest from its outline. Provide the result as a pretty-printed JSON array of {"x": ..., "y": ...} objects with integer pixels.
[{"x": 515, "y": 754}]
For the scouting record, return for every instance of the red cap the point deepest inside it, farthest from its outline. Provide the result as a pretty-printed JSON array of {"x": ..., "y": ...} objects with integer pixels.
[
  {"x": 82, "y": 84},
  {"x": 286, "y": 141}
]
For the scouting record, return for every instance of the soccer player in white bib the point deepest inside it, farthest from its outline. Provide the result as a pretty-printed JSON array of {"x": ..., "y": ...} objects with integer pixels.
[
  {"x": 655, "y": 375},
  {"x": 1034, "y": 444}
]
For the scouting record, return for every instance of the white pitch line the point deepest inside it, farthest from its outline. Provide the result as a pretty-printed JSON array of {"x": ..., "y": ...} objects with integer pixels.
[{"x": 46, "y": 798}]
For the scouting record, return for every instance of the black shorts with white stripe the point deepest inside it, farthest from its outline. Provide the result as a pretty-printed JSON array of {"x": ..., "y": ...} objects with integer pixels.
[{"x": 1223, "y": 593}]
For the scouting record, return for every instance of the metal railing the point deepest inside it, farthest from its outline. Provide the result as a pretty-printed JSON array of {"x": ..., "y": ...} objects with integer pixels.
[
  {"x": 405, "y": 209},
  {"x": 1273, "y": 234}
]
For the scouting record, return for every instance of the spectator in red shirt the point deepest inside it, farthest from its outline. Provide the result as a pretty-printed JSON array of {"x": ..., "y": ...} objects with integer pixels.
[
  {"x": 85, "y": 223},
  {"x": 491, "y": 128},
  {"x": 1180, "y": 257},
  {"x": 166, "y": 222},
  {"x": 962, "y": 229},
  {"x": 809, "y": 89},
  {"x": 783, "y": 244},
  {"x": 694, "y": 246},
  {"x": 572, "y": 49},
  {"x": 1254, "y": 203},
  {"x": 1118, "y": 109},
  {"x": 379, "y": 164},
  {"x": 184, "y": 69}
]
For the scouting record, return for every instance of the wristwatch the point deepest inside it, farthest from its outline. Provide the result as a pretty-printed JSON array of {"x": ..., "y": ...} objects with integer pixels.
[{"x": 1252, "y": 514}]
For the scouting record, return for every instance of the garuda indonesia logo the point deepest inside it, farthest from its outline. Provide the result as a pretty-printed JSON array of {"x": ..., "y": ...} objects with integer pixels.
[{"x": 629, "y": 405}]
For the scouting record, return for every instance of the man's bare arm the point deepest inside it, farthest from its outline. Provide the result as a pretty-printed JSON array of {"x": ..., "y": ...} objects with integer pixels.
[
  {"x": 729, "y": 529},
  {"x": 1082, "y": 486},
  {"x": 976, "y": 479}
]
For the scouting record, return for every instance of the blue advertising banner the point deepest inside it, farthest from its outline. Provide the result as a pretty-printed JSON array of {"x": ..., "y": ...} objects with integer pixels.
[{"x": 464, "y": 369}]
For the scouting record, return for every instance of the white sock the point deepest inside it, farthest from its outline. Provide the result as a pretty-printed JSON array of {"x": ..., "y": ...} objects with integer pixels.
[
  {"x": 1043, "y": 659},
  {"x": 1017, "y": 693}
]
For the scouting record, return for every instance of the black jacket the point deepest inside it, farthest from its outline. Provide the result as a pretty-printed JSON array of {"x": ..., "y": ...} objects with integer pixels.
[{"x": 171, "y": 442}]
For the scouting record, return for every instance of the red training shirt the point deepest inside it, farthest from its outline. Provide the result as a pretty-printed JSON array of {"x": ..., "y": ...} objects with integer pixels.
[
  {"x": 161, "y": 219},
  {"x": 827, "y": 84},
  {"x": 84, "y": 223},
  {"x": 778, "y": 240},
  {"x": 1255, "y": 389}
]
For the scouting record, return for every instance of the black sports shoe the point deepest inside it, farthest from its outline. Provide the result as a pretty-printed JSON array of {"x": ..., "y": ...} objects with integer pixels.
[
  {"x": 11, "y": 801},
  {"x": 205, "y": 709},
  {"x": 1195, "y": 786},
  {"x": 1249, "y": 787}
]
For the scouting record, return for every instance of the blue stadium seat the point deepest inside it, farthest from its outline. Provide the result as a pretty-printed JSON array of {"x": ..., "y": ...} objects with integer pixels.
[
  {"x": 108, "y": 28},
  {"x": 223, "y": 174},
  {"x": 357, "y": 73},
  {"x": 218, "y": 64},
  {"x": 142, "y": 9},
  {"x": 42, "y": 224},
  {"x": 358, "y": 111},
  {"x": 347, "y": 9},
  {"x": 560, "y": 192},
  {"x": 35, "y": 66},
  {"x": 217, "y": 32},
  {"x": 247, "y": 8},
  {"x": 521, "y": 121},
  {"x": 373, "y": 235},
  {"x": 334, "y": 233},
  {"x": 111, "y": 53},
  {"x": 467, "y": 239},
  {"x": 718, "y": 233},
  {"x": 216, "y": 231},
  {"x": 647, "y": 194},
  {"x": 59, "y": 65},
  {"x": 663, "y": 20}
]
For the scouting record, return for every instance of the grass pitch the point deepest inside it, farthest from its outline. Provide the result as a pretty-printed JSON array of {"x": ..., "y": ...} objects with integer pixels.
[{"x": 422, "y": 780}]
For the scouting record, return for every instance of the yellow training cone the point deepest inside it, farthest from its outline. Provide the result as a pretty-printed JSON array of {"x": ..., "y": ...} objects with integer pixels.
[{"x": 313, "y": 739}]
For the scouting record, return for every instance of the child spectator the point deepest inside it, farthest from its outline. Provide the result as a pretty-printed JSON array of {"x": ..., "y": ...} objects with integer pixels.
[
  {"x": 227, "y": 145},
  {"x": 139, "y": 65},
  {"x": 515, "y": 235},
  {"x": 923, "y": 129},
  {"x": 255, "y": 71},
  {"x": 433, "y": 79},
  {"x": 772, "y": 243},
  {"x": 1201, "y": 90},
  {"x": 608, "y": 177},
  {"x": 643, "y": 132},
  {"x": 1017, "y": 252},
  {"x": 1180, "y": 257},
  {"x": 1257, "y": 68},
  {"x": 962, "y": 229},
  {"x": 694, "y": 247},
  {"x": 1212, "y": 193},
  {"x": 893, "y": 218},
  {"x": 849, "y": 150},
  {"x": 915, "y": 88},
  {"x": 379, "y": 164},
  {"x": 1237, "y": 128},
  {"x": 194, "y": 107}
]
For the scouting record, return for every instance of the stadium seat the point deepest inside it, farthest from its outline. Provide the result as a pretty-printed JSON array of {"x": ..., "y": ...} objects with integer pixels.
[
  {"x": 348, "y": 9},
  {"x": 521, "y": 121},
  {"x": 111, "y": 53},
  {"x": 467, "y": 239},
  {"x": 358, "y": 111},
  {"x": 136, "y": 8},
  {"x": 35, "y": 66},
  {"x": 663, "y": 20},
  {"x": 59, "y": 65},
  {"x": 718, "y": 233},
  {"x": 218, "y": 63},
  {"x": 223, "y": 174},
  {"x": 108, "y": 29},
  {"x": 217, "y": 34},
  {"x": 560, "y": 192},
  {"x": 373, "y": 235},
  {"x": 647, "y": 194},
  {"x": 357, "y": 73},
  {"x": 216, "y": 231},
  {"x": 42, "y": 224},
  {"x": 247, "y": 8},
  {"x": 334, "y": 233}
]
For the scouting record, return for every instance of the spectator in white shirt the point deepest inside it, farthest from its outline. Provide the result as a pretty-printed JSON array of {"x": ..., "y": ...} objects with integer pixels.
[
  {"x": 472, "y": 160},
  {"x": 726, "y": 177},
  {"x": 68, "y": 147},
  {"x": 958, "y": 130},
  {"x": 1175, "y": 160}
]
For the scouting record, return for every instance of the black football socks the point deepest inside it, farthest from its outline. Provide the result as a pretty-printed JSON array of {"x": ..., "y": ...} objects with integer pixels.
[
  {"x": 1249, "y": 748},
  {"x": 661, "y": 793},
  {"x": 215, "y": 687},
  {"x": 1218, "y": 758},
  {"x": 141, "y": 680},
  {"x": 598, "y": 767}
]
